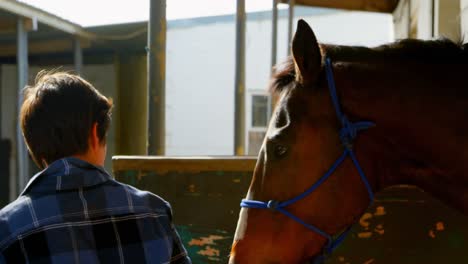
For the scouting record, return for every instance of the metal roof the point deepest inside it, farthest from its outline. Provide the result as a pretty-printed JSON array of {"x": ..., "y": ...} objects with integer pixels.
[
  {"x": 382, "y": 6},
  {"x": 10, "y": 10},
  {"x": 54, "y": 45}
]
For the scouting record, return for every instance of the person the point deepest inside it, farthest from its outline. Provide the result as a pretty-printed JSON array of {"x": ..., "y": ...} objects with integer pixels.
[{"x": 73, "y": 211}]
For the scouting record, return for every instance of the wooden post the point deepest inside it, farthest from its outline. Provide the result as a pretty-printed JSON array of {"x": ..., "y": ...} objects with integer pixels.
[
  {"x": 290, "y": 24},
  {"x": 156, "y": 78},
  {"x": 23, "y": 162},
  {"x": 274, "y": 32},
  {"x": 77, "y": 56},
  {"x": 239, "y": 97},
  {"x": 447, "y": 19}
]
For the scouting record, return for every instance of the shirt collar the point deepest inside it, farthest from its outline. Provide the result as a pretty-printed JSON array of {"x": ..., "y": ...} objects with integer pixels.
[{"x": 67, "y": 174}]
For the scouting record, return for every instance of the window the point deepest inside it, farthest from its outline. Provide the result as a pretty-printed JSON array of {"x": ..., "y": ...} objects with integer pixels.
[
  {"x": 260, "y": 109},
  {"x": 258, "y": 115}
]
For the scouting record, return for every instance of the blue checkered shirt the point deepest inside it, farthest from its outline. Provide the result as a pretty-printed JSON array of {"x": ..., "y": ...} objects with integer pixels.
[{"x": 74, "y": 212}]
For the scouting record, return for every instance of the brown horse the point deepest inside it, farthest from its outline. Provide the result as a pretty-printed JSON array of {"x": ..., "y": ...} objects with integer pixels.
[{"x": 415, "y": 92}]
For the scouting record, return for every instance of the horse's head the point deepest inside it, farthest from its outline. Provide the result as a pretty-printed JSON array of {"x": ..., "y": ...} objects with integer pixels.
[{"x": 301, "y": 145}]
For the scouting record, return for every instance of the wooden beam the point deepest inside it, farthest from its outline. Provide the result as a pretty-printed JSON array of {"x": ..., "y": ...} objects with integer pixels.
[
  {"x": 8, "y": 26},
  {"x": 383, "y": 6},
  {"x": 166, "y": 164},
  {"x": 42, "y": 47}
]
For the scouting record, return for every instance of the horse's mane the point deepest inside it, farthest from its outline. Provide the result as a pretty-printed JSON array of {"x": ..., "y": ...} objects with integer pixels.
[{"x": 432, "y": 51}]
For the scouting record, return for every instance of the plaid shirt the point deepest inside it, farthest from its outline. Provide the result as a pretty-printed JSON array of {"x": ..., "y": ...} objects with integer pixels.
[{"x": 74, "y": 212}]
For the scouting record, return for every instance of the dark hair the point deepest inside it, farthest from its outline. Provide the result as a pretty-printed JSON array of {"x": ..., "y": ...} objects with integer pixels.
[{"x": 58, "y": 113}]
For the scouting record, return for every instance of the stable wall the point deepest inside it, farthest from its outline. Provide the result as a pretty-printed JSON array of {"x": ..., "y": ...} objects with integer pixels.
[{"x": 403, "y": 225}]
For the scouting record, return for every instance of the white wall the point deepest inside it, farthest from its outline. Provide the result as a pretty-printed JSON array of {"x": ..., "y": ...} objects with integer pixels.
[
  {"x": 422, "y": 11},
  {"x": 200, "y": 71}
]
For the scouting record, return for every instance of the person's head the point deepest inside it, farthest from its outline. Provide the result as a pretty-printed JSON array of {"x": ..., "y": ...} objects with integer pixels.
[{"x": 64, "y": 115}]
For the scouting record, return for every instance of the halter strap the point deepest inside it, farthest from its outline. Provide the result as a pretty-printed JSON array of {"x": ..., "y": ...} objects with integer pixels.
[
  {"x": 349, "y": 130},
  {"x": 347, "y": 134}
]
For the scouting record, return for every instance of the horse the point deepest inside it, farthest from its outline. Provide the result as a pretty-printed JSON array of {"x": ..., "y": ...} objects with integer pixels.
[{"x": 349, "y": 122}]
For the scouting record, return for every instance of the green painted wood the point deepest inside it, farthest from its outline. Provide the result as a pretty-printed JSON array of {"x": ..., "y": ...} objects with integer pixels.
[
  {"x": 206, "y": 245},
  {"x": 404, "y": 225}
]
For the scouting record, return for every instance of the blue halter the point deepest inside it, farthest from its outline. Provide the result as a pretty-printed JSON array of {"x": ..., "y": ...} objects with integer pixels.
[{"x": 347, "y": 135}]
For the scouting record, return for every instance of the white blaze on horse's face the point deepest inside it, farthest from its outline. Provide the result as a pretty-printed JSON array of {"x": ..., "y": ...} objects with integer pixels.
[
  {"x": 281, "y": 118},
  {"x": 301, "y": 143},
  {"x": 277, "y": 129}
]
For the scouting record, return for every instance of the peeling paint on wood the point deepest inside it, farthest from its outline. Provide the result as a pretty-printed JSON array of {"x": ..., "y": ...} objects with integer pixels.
[
  {"x": 204, "y": 247},
  {"x": 440, "y": 226},
  {"x": 365, "y": 234},
  {"x": 379, "y": 211},
  {"x": 404, "y": 225},
  {"x": 363, "y": 221}
]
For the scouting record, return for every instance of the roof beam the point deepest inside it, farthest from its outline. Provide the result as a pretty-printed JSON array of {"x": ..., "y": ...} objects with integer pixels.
[
  {"x": 9, "y": 26},
  {"x": 27, "y": 11},
  {"x": 43, "y": 47},
  {"x": 383, "y": 6}
]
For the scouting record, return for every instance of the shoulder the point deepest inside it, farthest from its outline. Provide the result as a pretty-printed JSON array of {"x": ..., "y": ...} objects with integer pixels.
[
  {"x": 15, "y": 218},
  {"x": 141, "y": 198},
  {"x": 16, "y": 210}
]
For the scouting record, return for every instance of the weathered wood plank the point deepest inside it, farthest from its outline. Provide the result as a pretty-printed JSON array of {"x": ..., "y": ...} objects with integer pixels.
[
  {"x": 164, "y": 165},
  {"x": 404, "y": 225}
]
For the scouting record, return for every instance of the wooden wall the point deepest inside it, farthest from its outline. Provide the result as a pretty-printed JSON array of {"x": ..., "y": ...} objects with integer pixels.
[{"x": 404, "y": 225}]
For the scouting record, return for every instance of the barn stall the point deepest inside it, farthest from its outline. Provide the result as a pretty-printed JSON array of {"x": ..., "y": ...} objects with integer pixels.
[{"x": 404, "y": 225}]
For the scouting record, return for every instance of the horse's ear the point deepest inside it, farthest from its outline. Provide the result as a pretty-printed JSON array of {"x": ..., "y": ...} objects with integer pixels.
[{"x": 306, "y": 53}]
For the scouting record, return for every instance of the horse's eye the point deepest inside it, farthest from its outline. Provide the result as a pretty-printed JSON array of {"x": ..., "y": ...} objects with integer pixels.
[{"x": 280, "y": 151}]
